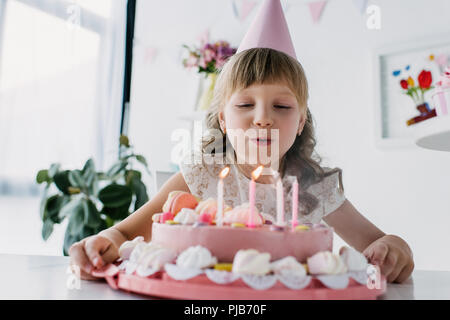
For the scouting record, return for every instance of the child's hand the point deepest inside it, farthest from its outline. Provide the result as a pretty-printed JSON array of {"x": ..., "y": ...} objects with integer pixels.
[
  {"x": 92, "y": 252},
  {"x": 394, "y": 257}
]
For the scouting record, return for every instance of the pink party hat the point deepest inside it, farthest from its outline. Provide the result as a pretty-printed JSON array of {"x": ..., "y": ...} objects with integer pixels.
[{"x": 269, "y": 30}]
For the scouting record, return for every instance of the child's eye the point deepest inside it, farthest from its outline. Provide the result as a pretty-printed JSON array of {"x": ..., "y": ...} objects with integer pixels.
[
  {"x": 244, "y": 105},
  {"x": 282, "y": 107}
]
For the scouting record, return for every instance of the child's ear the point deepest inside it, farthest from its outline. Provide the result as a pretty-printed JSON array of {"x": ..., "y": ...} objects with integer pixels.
[
  {"x": 222, "y": 121},
  {"x": 301, "y": 123}
]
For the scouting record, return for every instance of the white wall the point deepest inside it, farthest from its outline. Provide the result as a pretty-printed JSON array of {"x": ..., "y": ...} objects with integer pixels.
[{"x": 403, "y": 191}]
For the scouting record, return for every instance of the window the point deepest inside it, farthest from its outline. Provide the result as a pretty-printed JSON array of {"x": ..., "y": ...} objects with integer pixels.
[
  {"x": 61, "y": 87},
  {"x": 61, "y": 74}
]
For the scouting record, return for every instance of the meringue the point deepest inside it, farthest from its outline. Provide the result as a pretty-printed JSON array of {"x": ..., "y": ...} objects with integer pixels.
[
  {"x": 208, "y": 206},
  {"x": 240, "y": 214},
  {"x": 186, "y": 216},
  {"x": 251, "y": 262},
  {"x": 128, "y": 246},
  {"x": 288, "y": 265},
  {"x": 354, "y": 260},
  {"x": 156, "y": 257},
  {"x": 325, "y": 262},
  {"x": 196, "y": 257},
  {"x": 139, "y": 251}
]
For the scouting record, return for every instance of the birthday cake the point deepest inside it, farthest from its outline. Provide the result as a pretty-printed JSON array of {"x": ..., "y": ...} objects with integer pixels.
[
  {"x": 189, "y": 247},
  {"x": 188, "y": 222}
]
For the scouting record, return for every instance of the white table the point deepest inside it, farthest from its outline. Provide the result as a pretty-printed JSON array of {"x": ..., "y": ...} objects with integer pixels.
[
  {"x": 47, "y": 277},
  {"x": 434, "y": 133}
]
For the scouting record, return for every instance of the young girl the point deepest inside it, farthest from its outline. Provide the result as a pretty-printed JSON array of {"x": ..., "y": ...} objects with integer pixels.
[{"x": 262, "y": 89}]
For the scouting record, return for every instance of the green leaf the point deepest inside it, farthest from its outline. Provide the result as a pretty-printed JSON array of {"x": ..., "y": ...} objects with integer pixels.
[
  {"x": 91, "y": 215},
  {"x": 43, "y": 203},
  {"x": 141, "y": 159},
  {"x": 76, "y": 220},
  {"x": 70, "y": 207},
  {"x": 54, "y": 168},
  {"x": 52, "y": 208},
  {"x": 47, "y": 229},
  {"x": 115, "y": 195},
  {"x": 119, "y": 213},
  {"x": 76, "y": 179},
  {"x": 140, "y": 191},
  {"x": 116, "y": 168},
  {"x": 88, "y": 166},
  {"x": 61, "y": 180},
  {"x": 130, "y": 175},
  {"x": 42, "y": 176},
  {"x": 70, "y": 239}
]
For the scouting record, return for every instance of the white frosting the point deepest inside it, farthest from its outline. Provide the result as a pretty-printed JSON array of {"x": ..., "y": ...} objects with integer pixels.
[
  {"x": 326, "y": 262},
  {"x": 128, "y": 246},
  {"x": 288, "y": 265},
  {"x": 196, "y": 257},
  {"x": 186, "y": 216},
  {"x": 156, "y": 257},
  {"x": 354, "y": 260},
  {"x": 251, "y": 262}
]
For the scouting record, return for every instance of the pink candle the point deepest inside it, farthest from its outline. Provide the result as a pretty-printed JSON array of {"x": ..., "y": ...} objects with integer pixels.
[
  {"x": 219, "y": 215},
  {"x": 294, "y": 204},
  {"x": 251, "y": 196}
]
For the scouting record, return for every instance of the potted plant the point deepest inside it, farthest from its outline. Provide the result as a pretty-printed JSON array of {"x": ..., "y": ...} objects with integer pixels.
[
  {"x": 417, "y": 94},
  {"x": 91, "y": 200}
]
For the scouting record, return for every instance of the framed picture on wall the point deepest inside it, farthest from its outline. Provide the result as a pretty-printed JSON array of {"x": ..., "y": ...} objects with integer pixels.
[{"x": 405, "y": 75}]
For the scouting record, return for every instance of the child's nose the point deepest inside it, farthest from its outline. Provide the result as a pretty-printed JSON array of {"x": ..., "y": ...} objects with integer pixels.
[{"x": 262, "y": 118}]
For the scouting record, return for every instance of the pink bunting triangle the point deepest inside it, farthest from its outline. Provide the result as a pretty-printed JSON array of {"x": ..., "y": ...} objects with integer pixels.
[
  {"x": 316, "y": 9},
  {"x": 203, "y": 37},
  {"x": 150, "y": 54},
  {"x": 246, "y": 8}
]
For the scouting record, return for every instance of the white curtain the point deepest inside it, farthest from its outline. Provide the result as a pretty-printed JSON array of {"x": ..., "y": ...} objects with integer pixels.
[{"x": 61, "y": 86}]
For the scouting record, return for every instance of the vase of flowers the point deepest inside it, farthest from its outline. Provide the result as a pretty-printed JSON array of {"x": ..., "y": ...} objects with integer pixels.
[
  {"x": 208, "y": 59},
  {"x": 417, "y": 94}
]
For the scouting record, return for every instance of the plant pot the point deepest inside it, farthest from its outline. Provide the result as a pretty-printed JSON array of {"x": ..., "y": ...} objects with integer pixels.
[{"x": 423, "y": 108}]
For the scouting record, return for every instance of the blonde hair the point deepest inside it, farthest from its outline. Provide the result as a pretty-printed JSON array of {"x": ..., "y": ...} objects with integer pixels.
[{"x": 267, "y": 66}]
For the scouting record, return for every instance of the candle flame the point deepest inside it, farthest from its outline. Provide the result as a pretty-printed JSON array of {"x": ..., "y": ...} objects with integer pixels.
[
  {"x": 224, "y": 172},
  {"x": 257, "y": 172}
]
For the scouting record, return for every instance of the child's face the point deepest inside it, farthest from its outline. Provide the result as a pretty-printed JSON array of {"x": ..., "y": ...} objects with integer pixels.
[{"x": 262, "y": 107}]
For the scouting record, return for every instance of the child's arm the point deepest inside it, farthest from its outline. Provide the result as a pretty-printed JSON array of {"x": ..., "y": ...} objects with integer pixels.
[
  {"x": 100, "y": 249},
  {"x": 391, "y": 253}
]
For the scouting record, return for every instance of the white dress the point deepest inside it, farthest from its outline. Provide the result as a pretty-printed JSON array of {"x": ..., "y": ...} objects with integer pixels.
[{"x": 202, "y": 182}]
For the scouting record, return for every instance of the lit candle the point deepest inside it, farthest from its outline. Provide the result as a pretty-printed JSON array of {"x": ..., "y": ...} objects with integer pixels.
[
  {"x": 251, "y": 196},
  {"x": 280, "y": 200},
  {"x": 219, "y": 216},
  {"x": 294, "y": 203}
]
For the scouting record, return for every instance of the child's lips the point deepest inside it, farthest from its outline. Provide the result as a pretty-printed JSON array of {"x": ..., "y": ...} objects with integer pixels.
[{"x": 261, "y": 141}]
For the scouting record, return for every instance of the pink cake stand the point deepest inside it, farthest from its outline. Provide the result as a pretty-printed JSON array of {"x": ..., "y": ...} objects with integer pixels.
[{"x": 201, "y": 288}]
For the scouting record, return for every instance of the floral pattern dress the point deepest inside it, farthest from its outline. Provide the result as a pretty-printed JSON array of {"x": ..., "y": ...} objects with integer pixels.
[{"x": 202, "y": 181}]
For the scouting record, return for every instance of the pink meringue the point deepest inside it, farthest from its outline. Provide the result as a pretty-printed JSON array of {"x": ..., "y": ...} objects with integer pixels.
[{"x": 240, "y": 214}]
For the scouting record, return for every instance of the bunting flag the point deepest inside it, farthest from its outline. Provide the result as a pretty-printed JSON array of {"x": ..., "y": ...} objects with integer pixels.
[
  {"x": 246, "y": 8},
  {"x": 150, "y": 54},
  {"x": 316, "y": 9},
  {"x": 361, "y": 5},
  {"x": 203, "y": 37},
  {"x": 235, "y": 9}
]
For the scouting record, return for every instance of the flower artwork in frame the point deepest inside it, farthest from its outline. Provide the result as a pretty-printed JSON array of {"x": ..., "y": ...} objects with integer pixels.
[{"x": 405, "y": 78}]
